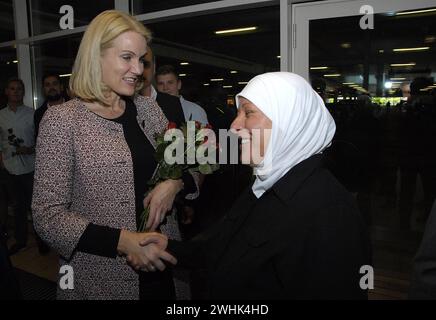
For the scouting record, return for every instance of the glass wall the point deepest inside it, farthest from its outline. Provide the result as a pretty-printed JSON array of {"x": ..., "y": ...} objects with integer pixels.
[
  {"x": 208, "y": 54},
  {"x": 376, "y": 67},
  {"x": 349, "y": 61},
  {"x": 7, "y": 31},
  {"x": 380, "y": 86},
  {"x": 54, "y": 56}
]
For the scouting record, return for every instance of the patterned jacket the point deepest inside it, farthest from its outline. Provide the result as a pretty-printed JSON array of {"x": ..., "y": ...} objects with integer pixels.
[{"x": 84, "y": 174}]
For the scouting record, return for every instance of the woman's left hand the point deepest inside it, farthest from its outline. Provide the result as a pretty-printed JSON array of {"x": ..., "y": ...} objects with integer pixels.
[{"x": 160, "y": 201}]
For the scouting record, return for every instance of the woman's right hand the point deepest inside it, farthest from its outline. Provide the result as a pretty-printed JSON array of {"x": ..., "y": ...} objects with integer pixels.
[
  {"x": 160, "y": 200},
  {"x": 145, "y": 258}
]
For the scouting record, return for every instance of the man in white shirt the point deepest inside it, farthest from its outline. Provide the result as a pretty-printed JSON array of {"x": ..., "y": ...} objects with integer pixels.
[
  {"x": 168, "y": 81},
  {"x": 17, "y": 158}
]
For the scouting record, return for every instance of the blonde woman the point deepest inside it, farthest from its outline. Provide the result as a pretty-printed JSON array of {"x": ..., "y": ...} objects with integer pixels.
[{"x": 93, "y": 160}]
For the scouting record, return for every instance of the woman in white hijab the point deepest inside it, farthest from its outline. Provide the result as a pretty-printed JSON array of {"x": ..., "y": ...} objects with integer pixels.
[{"x": 296, "y": 233}]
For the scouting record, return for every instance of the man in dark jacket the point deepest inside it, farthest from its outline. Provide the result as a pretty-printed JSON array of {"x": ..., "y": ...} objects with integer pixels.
[{"x": 169, "y": 104}]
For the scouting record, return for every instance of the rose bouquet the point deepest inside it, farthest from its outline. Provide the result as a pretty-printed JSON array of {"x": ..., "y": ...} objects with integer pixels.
[{"x": 190, "y": 148}]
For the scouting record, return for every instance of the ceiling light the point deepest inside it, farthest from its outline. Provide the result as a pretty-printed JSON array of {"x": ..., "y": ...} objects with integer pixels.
[
  {"x": 398, "y": 79},
  {"x": 238, "y": 30},
  {"x": 430, "y": 39},
  {"x": 242, "y": 82},
  {"x": 348, "y": 83},
  {"x": 206, "y": 84},
  {"x": 411, "y": 64},
  {"x": 65, "y": 75},
  {"x": 346, "y": 45},
  {"x": 217, "y": 79},
  {"x": 381, "y": 51},
  {"x": 318, "y": 68},
  {"x": 233, "y": 71},
  {"x": 184, "y": 63},
  {"x": 182, "y": 74},
  {"x": 15, "y": 61},
  {"x": 332, "y": 75},
  {"x": 411, "y": 49},
  {"x": 415, "y": 12},
  {"x": 227, "y": 87}
]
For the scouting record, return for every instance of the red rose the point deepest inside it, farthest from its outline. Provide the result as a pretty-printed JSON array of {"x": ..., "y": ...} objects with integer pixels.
[{"x": 171, "y": 125}]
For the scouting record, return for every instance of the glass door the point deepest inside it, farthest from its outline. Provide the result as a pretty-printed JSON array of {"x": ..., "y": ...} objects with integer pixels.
[{"x": 373, "y": 62}]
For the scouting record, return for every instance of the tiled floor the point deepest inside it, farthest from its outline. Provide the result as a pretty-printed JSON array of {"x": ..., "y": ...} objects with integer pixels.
[
  {"x": 29, "y": 259},
  {"x": 44, "y": 266}
]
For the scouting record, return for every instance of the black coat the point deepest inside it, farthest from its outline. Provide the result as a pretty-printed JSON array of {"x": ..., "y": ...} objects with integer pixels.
[
  {"x": 171, "y": 107},
  {"x": 303, "y": 239}
]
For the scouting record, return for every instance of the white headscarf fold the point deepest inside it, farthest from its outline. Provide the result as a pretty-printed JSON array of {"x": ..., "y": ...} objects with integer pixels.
[{"x": 301, "y": 124}]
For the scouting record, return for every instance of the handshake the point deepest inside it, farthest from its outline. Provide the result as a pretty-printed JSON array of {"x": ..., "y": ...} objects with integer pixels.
[{"x": 145, "y": 251}]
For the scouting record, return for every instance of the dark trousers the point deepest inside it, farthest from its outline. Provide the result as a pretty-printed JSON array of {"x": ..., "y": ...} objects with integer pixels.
[
  {"x": 5, "y": 198},
  {"x": 22, "y": 189}
]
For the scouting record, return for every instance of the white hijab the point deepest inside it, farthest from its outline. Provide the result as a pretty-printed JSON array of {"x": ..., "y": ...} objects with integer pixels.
[{"x": 301, "y": 124}]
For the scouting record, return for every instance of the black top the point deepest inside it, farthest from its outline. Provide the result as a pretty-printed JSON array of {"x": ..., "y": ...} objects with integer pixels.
[
  {"x": 142, "y": 152},
  {"x": 302, "y": 239}
]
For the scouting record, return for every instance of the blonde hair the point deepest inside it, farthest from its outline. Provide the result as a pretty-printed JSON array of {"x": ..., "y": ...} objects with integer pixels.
[{"x": 86, "y": 79}]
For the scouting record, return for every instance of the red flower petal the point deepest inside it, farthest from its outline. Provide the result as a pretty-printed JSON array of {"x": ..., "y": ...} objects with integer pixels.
[{"x": 171, "y": 125}]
